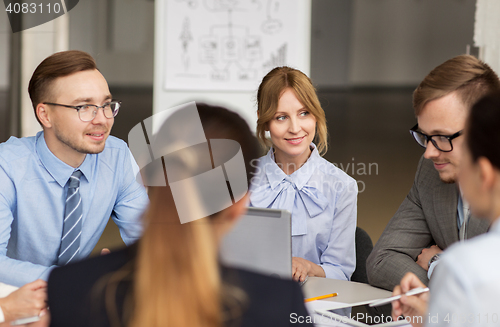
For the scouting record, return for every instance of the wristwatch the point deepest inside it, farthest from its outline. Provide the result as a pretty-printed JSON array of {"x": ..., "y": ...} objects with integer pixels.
[{"x": 434, "y": 258}]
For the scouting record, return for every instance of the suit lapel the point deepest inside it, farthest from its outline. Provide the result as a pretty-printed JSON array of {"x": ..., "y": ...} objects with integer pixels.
[{"x": 445, "y": 209}]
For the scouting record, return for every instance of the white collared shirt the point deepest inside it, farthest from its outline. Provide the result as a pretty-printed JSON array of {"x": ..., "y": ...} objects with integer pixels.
[{"x": 465, "y": 288}]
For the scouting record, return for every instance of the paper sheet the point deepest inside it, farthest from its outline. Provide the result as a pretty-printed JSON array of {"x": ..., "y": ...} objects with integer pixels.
[
  {"x": 228, "y": 45},
  {"x": 6, "y": 289},
  {"x": 322, "y": 321},
  {"x": 319, "y": 320}
]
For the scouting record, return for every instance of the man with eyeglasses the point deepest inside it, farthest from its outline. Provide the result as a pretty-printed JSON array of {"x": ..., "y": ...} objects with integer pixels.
[
  {"x": 59, "y": 188},
  {"x": 434, "y": 215}
]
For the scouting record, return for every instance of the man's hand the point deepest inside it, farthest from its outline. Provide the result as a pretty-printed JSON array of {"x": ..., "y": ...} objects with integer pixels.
[
  {"x": 105, "y": 251},
  {"x": 301, "y": 268},
  {"x": 27, "y": 301},
  {"x": 414, "y": 306},
  {"x": 426, "y": 255}
]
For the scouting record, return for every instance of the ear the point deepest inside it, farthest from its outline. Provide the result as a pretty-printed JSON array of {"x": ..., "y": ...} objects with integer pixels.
[
  {"x": 43, "y": 114},
  {"x": 487, "y": 173},
  {"x": 266, "y": 125}
]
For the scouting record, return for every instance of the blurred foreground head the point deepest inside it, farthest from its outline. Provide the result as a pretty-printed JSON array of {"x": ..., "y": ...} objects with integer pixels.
[
  {"x": 207, "y": 152},
  {"x": 480, "y": 169}
]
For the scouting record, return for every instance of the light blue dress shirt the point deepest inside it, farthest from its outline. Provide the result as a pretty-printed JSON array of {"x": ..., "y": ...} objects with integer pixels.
[
  {"x": 33, "y": 187},
  {"x": 322, "y": 200},
  {"x": 465, "y": 288}
]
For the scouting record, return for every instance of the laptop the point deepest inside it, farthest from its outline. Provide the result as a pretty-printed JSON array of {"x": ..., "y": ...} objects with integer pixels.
[{"x": 261, "y": 241}]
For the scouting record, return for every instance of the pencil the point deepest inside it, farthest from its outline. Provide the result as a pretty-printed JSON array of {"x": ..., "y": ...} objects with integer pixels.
[{"x": 320, "y": 297}]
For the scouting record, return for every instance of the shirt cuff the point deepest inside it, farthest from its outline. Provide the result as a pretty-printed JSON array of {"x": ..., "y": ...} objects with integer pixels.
[
  {"x": 431, "y": 268},
  {"x": 2, "y": 317},
  {"x": 334, "y": 272}
]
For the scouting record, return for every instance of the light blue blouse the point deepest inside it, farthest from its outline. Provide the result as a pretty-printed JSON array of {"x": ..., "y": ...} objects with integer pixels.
[{"x": 322, "y": 200}]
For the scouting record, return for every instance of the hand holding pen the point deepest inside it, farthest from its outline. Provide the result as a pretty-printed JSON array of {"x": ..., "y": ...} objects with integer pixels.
[{"x": 410, "y": 306}]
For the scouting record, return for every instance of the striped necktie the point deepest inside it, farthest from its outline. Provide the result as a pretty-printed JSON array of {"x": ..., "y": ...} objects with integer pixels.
[{"x": 72, "y": 225}]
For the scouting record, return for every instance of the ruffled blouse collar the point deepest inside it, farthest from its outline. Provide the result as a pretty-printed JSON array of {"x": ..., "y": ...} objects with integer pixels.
[{"x": 287, "y": 189}]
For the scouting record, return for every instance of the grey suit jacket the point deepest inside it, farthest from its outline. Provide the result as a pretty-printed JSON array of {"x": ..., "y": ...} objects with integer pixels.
[{"x": 426, "y": 217}]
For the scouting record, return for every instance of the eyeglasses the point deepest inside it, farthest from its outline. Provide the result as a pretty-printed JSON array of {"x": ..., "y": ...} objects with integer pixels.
[
  {"x": 87, "y": 112},
  {"x": 441, "y": 142}
]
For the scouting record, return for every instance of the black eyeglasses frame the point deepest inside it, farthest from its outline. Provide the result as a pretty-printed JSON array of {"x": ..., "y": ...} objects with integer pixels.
[
  {"x": 414, "y": 130},
  {"x": 84, "y": 106}
]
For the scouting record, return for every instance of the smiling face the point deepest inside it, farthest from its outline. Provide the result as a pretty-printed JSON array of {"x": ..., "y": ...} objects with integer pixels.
[
  {"x": 292, "y": 130},
  {"x": 69, "y": 138},
  {"x": 444, "y": 116}
]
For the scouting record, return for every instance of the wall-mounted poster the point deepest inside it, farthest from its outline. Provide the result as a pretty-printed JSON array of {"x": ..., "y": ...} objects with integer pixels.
[
  {"x": 487, "y": 32},
  {"x": 227, "y": 44}
]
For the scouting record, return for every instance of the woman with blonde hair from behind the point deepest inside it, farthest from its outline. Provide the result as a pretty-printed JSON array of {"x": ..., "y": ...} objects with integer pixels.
[
  {"x": 172, "y": 276},
  {"x": 294, "y": 176}
]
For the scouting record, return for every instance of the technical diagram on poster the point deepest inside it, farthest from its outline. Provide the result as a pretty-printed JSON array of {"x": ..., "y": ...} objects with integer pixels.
[{"x": 228, "y": 44}]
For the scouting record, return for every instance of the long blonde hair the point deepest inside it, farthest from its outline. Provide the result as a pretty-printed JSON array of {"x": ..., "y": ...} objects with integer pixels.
[
  {"x": 177, "y": 280},
  {"x": 270, "y": 90}
]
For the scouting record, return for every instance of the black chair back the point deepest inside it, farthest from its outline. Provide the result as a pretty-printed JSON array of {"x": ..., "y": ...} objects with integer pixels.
[{"x": 364, "y": 247}]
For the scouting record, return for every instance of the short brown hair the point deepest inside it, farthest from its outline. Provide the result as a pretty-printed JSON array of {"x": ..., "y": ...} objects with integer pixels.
[
  {"x": 467, "y": 75},
  {"x": 270, "y": 90},
  {"x": 57, "y": 65}
]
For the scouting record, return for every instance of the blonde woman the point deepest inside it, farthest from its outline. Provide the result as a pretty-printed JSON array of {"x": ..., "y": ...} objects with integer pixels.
[
  {"x": 172, "y": 277},
  {"x": 294, "y": 176}
]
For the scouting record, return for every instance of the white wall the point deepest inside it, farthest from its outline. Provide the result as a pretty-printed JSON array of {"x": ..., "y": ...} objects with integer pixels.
[
  {"x": 37, "y": 43},
  {"x": 5, "y": 33},
  {"x": 487, "y": 32}
]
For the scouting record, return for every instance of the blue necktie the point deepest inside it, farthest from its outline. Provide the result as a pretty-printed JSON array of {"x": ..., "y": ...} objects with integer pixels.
[{"x": 72, "y": 226}]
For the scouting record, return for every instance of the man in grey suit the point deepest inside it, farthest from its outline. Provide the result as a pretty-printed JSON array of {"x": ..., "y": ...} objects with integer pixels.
[{"x": 433, "y": 216}]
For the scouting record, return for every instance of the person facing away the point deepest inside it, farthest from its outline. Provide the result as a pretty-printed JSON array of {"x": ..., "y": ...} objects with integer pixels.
[
  {"x": 434, "y": 214},
  {"x": 59, "y": 188},
  {"x": 465, "y": 289},
  {"x": 293, "y": 176},
  {"x": 172, "y": 276}
]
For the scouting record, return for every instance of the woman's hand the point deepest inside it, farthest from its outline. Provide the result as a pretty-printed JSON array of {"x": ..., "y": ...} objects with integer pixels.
[
  {"x": 301, "y": 268},
  {"x": 27, "y": 301},
  {"x": 414, "y": 306},
  {"x": 43, "y": 322}
]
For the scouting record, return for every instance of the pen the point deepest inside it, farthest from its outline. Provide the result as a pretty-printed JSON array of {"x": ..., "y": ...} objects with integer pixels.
[
  {"x": 24, "y": 321},
  {"x": 388, "y": 300},
  {"x": 320, "y": 297}
]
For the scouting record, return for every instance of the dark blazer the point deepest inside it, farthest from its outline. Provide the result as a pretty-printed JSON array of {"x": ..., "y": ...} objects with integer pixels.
[
  {"x": 76, "y": 298},
  {"x": 426, "y": 217}
]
